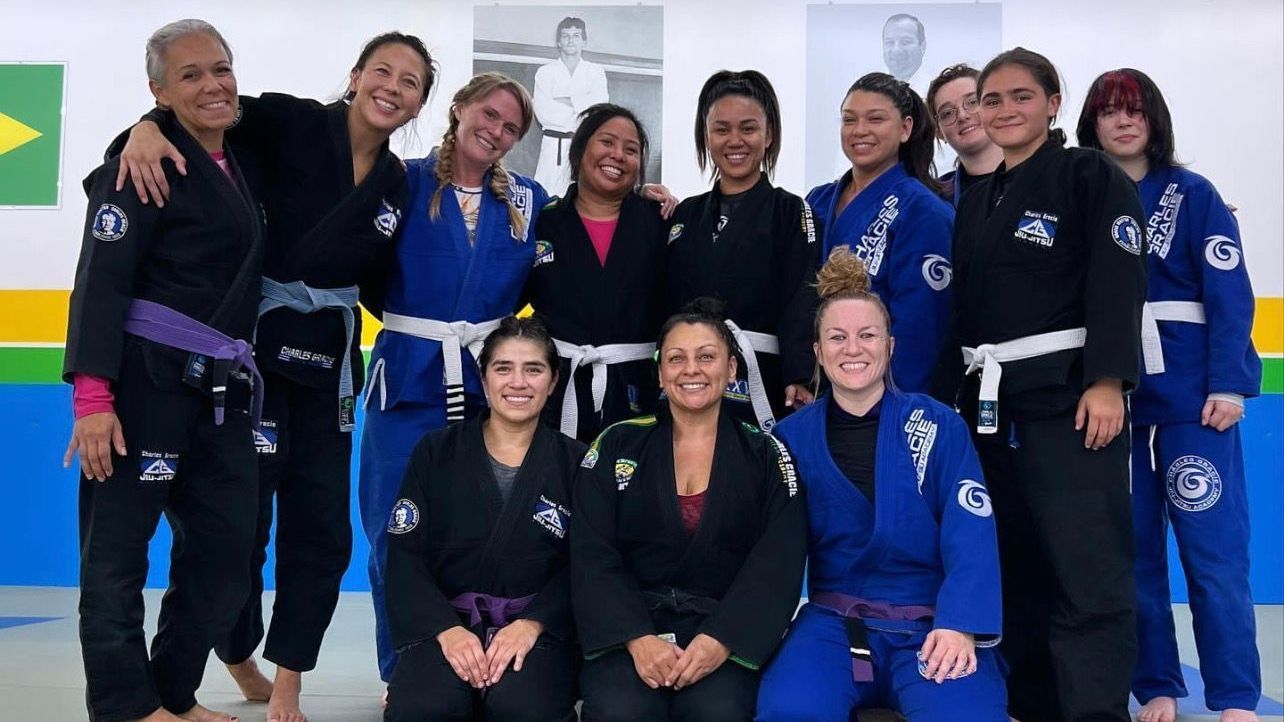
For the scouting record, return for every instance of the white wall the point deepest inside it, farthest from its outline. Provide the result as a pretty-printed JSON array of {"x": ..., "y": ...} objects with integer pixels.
[{"x": 1220, "y": 65}]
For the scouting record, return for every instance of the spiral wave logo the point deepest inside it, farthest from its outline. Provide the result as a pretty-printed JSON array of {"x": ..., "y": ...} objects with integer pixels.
[
  {"x": 1221, "y": 253},
  {"x": 1193, "y": 483},
  {"x": 937, "y": 272},
  {"x": 974, "y": 498}
]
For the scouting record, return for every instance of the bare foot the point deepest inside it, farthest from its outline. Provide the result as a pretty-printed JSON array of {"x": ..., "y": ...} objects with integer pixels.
[
  {"x": 1159, "y": 709},
  {"x": 254, "y": 686},
  {"x": 1238, "y": 715},
  {"x": 160, "y": 715},
  {"x": 385, "y": 698},
  {"x": 200, "y": 714},
  {"x": 284, "y": 705}
]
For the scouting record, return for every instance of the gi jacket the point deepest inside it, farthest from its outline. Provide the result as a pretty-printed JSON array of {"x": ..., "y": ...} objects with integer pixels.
[
  {"x": 451, "y": 533},
  {"x": 929, "y": 540},
  {"x": 200, "y": 255},
  {"x": 1061, "y": 248},
  {"x": 901, "y": 229},
  {"x": 763, "y": 265},
  {"x": 1196, "y": 255},
  {"x": 745, "y": 560},
  {"x": 584, "y": 302}
]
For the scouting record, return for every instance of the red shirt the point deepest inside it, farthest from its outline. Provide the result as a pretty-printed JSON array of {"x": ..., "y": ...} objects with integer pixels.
[{"x": 600, "y": 233}]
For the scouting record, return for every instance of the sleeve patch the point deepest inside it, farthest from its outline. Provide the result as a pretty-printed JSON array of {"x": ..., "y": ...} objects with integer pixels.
[
  {"x": 974, "y": 499},
  {"x": 937, "y": 272},
  {"x": 405, "y": 517},
  {"x": 1127, "y": 234},
  {"x": 110, "y": 223},
  {"x": 1221, "y": 253}
]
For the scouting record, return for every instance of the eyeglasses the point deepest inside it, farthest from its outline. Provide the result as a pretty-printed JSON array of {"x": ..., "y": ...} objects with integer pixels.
[{"x": 949, "y": 115}]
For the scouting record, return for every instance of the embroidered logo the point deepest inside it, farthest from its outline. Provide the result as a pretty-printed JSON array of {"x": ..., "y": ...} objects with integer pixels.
[
  {"x": 973, "y": 498},
  {"x": 552, "y": 516},
  {"x": 1162, "y": 224},
  {"x": 873, "y": 243},
  {"x": 1193, "y": 483},
  {"x": 590, "y": 459},
  {"x": 309, "y": 358},
  {"x": 110, "y": 223},
  {"x": 265, "y": 437},
  {"x": 785, "y": 461},
  {"x": 1221, "y": 253},
  {"x": 920, "y": 434},
  {"x": 405, "y": 517},
  {"x": 157, "y": 466},
  {"x": 808, "y": 223},
  {"x": 675, "y": 232},
  {"x": 1127, "y": 234},
  {"x": 387, "y": 218},
  {"x": 1037, "y": 228},
  {"x": 522, "y": 198},
  {"x": 624, "y": 469},
  {"x": 543, "y": 253},
  {"x": 937, "y": 272}
]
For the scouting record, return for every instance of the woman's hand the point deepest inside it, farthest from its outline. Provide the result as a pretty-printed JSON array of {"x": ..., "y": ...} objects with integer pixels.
[
  {"x": 511, "y": 644},
  {"x": 1220, "y": 414},
  {"x": 657, "y": 192},
  {"x": 948, "y": 654},
  {"x": 463, "y": 651},
  {"x": 95, "y": 436},
  {"x": 1101, "y": 408},
  {"x": 653, "y": 659},
  {"x": 140, "y": 161},
  {"x": 798, "y": 396},
  {"x": 700, "y": 658}
]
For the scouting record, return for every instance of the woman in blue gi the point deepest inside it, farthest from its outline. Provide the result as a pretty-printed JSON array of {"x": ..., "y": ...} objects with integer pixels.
[
  {"x": 1187, "y": 462},
  {"x": 157, "y": 341},
  {"x": 460, "y": 263},
  {"x": 888, "y": 211},
  {"x": 903, "y": 580}
]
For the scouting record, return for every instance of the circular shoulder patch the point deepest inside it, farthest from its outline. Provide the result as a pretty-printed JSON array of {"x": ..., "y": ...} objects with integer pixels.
[
  {"x": 973, "y": 498},
  {"x": 1221, "y": 253},
  {"x": 1127, "y": 234},
  {"x": 937, "y": 272},
  {"x": 110, "y": 223},
  {"x": 405, "y": 517}
]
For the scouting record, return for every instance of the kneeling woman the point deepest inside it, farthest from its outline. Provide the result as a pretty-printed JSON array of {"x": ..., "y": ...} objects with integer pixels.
[
  {"x": 687, "y": 544},
  {"x": 904, "y": 576},
  {"x": 477, "y": 552}
]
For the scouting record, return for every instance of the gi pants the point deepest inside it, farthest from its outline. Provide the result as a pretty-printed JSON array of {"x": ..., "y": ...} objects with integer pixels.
[
  {"x": 1193, "y": 476},
  {"x": 613, "y": 692},
  {"x": 1064, "y": 519},
  {"x": 810, "y": 678},
  {"x": 305, "y": 460},
  {"x": 425, "y": 688},
  {"x": 387, "y": 440},
  {"x": 203, "y": 478}
]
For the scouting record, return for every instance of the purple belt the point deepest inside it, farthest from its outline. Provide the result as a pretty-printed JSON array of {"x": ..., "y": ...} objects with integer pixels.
[
  {"x": 162, "y": 324},
  {"x": 496, "y": 609},
  {"x": 855, "y": 612}
]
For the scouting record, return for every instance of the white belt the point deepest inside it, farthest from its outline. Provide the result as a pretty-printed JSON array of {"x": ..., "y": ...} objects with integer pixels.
[
  {"x": 1152, "y": 352},
  {"x": 750, "y": 342},
  {"x": 990, "y": 357},
  {"x": 599, "y": 357},
  {"x": 454, "y": 337}
]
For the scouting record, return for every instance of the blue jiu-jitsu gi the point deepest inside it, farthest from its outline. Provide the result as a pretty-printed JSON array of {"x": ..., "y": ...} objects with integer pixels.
[
  {"x": 437, "y": 278},
  {"x": 1200, "y": 304},
  {"x": 926, "y": 545},
  {"x": 902, "y": 231}
]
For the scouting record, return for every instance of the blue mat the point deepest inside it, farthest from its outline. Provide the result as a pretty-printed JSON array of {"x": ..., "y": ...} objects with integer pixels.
[
  {"x": 7, "y": 622},
  {"x": 1194, "y": 704}
]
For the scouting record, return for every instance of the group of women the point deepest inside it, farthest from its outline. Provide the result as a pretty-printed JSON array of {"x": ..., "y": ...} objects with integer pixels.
[{"x": 653, "y": 573}]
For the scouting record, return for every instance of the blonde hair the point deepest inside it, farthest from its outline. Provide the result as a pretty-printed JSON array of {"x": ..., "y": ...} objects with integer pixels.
[
  {"x": 481, "y": 85},
  {"x": 845, "y": 277}
]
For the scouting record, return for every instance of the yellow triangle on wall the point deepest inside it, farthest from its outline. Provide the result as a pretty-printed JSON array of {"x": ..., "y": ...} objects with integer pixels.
[{"x": 14, "y": 134}]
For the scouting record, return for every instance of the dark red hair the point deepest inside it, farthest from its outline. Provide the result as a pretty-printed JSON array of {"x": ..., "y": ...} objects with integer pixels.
[{"x": 1131, "y": 90}]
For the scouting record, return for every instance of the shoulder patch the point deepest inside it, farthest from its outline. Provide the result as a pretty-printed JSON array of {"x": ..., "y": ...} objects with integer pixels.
[
  {"x": 937, "y": 272},
  {"x": 110, "y": 223},
  {"x": 591, "y": 457},
  {"x": 1221, "y": 253},
  {"x": 973, "y": 498},
  {"x": 404, "y": 518},
  {"x": 1127, "y": 234},
  {"x": 675, "y": 232},
  {"x": 552, "y": 203}
]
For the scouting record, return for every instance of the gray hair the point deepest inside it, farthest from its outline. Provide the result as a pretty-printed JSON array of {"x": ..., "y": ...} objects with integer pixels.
[{"x": 160, "y": 41}]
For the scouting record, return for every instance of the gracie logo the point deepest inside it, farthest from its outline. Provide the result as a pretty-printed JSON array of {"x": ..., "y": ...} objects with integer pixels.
[
  {"x": 937, "y": 272},
  {"x": 552, "y": 516},
  {"x": 1127, "y": 234},
  {"x": 110, "y": 223},
  {"x": 543, "y": 253},
  {"x": 265, "y": 437},
  {"x": 873, "y": 244},
  {"x": 1037, "y": 228},
  {"x": 785, "y": 462},
  {"x": 624, "y": 469},
  {"x": 1193, "y": 483},
  {"x": 1221, "y": 253},
  {"x": 808, "y": 223},
  {"x": 387, "y": 219},
  {"x": 1162, "y": 224},
  {"x": 405, "y": 517},
  {"x": 920, "y": 434},
  {"x": 973, "y": 497},
  {"x": 521, "y": 197}
]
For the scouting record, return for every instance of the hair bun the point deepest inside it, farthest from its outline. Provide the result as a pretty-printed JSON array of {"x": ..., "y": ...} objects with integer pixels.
[{"x": 843, "y": 273}]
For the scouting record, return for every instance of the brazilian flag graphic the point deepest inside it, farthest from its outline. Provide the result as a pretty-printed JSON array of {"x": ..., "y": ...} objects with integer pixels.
[{"x": 30, "y": 133}]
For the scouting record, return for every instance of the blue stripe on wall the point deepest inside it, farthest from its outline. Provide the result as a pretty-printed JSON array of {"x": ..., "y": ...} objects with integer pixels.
[{"x": 38, "y": 518}]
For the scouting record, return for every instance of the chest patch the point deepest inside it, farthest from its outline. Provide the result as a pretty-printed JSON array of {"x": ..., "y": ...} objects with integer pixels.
[
  {"x": 554, "y": 517},
  {"x": 675, "y": 232},
  {"x": 387, "y": 218},
  {"x": 543, "y": 253},
  {"x": 873, "y": 242},
  {"x": 1037, "y": 228},
  {"x": 1162, "y": 224},
  {"x": 265, "y": 438},
  {"x": 920, "y": 434},
  {"x": 624, "y": 469},
  {"x": 937, "y": 272},
  {"x": 1127, "y": 234},
  {"x": 110, "y": 223}
]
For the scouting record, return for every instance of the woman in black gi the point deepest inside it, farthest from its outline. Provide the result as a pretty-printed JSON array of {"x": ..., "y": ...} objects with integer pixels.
[
  {"x": 598, "y": 277},
  {"x": 1050, "y": 279},
  {"x": 687, "y": 544},
  {"x": 477, "y": 553}
]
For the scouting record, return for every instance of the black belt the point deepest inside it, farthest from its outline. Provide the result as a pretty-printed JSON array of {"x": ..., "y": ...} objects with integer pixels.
[{"x": 561, "y": 135}]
